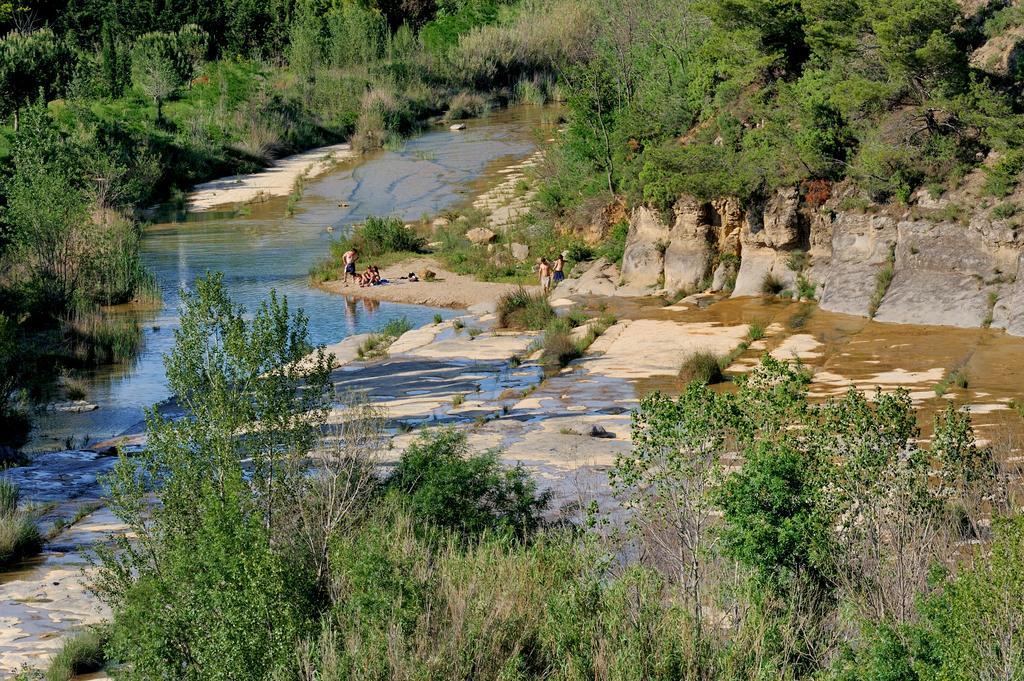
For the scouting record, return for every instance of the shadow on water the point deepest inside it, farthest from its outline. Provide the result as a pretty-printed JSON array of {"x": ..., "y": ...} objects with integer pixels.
[{"x": 260, "y": 247}]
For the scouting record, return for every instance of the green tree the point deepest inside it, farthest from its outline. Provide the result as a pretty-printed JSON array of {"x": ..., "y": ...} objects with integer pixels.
[
  {"x": 112, "y": 61},
  {"x": 192, "y": 44},
  {"x": 157, "y": 69},
  {"x": 356, "y": 34},
  {"x": 915, "y": 40},
  {"x": 46, "y": 217},
  {"x": 667, "y": 483},
  {"x": 212, "y": 585},
  {"x": 305, "y": 51},
  {"x": 31, "y": 66}
]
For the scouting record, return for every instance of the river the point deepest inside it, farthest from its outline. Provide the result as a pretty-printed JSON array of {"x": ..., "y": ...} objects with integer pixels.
[{"x": 261, "y": 248}]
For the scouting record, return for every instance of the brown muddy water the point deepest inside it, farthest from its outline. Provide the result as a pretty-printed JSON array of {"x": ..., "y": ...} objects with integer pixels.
[
  {"x": 844, "y": 351},
  {"x": 259, "y": 247}
]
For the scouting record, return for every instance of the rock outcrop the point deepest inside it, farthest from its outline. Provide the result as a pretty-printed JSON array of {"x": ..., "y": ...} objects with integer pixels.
[
  {"x": 643, "y": 261},
  {"x": 938, "y": 261}
]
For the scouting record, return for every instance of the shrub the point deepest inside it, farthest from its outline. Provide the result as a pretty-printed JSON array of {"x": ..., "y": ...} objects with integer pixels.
[
  {"x": 804, "y": 288},
  {"x": 379, "y": 236},
  {"x": 702, "y": 367},
  {"x": 614, "y": 246},
  {"x": 466, "y": 105},
  {"x": 377, "y": 344},
  {"x": 1005, "y": 210},
  {"x": 1004, "y": 175},
  {"x": 558, "y": 345},
  {"x": 520, "y": 309},
  {"x": 772, "y": 285},
  {"x": 19, "y": 535},
  {"x": 444, "y": 486},
  {"x": 80, "y": 654},
  {"x": 396, "y": 327}
]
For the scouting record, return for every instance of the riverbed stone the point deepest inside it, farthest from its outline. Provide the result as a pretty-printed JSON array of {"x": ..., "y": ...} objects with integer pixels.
[
  {"x": 519, "y": 251},
  {"x": 481, "y": 235}
]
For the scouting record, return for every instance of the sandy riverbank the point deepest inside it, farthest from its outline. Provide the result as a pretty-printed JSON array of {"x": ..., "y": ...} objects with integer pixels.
[
  {"x": 447, "y": 290},
  {"x": 277, "y": 180}
]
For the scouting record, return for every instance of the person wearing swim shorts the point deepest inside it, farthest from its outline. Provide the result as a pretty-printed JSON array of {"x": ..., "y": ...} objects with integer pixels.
[
  {"x": 349, "y": 259},
  {"x": 559, "y": 266}
]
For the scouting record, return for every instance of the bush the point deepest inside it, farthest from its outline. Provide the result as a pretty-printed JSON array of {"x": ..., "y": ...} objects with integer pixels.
[
  {"x": 396, "y": 327},
  {"x": 772, "y": 285},
  {"x": 1003, "y": 176},
  {"x": 519, "y": 309},
  {"x": 80, "y": 654},
  {"x": 614, "y": 246},
  {"x": 558, "y": 345},
  {"x": 19, "y": 536},
  {"x": 466, "y": 105},
  {"x": 380, "y": 236},
  {"x": 445, "y": 487},
  {"x": 702, "y": 367}
]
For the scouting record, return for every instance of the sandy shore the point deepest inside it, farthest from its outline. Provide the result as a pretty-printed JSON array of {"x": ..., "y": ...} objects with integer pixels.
[
  {"x": 448, "y": 290},
  {"x": 277, "y": 180}
]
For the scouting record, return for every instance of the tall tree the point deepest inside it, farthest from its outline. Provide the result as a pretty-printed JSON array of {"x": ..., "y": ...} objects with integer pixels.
[{"x": 156, "y": 67}]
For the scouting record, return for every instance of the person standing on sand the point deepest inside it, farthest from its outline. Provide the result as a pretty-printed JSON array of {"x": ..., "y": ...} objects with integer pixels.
[
  {"x": 559, "y": 267},
  {"x": 544, "y": 270},
  {"x": 349, "y": 259}
]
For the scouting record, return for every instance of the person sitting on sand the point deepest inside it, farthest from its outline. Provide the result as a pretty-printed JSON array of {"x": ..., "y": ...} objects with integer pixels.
[
  {"x": 349, "y": 259},
  {"x": 371, "y": 277},
  {"x": 558, "y": 266},
  {"x": 544, "y": 270}
]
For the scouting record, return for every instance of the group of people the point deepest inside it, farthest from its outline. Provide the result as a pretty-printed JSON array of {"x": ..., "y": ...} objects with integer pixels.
[
  {"x": 369, "y": 277},
  {"x": 551, "y": 272}
]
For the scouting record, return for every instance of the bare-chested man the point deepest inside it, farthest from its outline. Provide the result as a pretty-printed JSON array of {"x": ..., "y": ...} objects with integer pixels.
[
  {"x": 544, "y": 270},
  {"x": 349, "y": 260}
]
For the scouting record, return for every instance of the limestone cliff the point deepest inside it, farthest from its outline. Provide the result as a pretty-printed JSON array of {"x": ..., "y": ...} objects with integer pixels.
[{"x": 949, "y": 261}]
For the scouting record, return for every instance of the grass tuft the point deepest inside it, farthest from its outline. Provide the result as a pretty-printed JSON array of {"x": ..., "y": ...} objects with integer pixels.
[
  {"x": 772, "y": 285},
  {"x": 80, "y": 654},
  {"x": 882, "y": 281},
  {"x": 19, "y": 536},
  {"x": 703, "y": 367},
  {"x": 520, "y": 309}
]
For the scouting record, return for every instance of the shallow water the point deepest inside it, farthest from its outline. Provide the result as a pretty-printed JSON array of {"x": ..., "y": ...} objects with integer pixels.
[{"x": 263, "y": 249}]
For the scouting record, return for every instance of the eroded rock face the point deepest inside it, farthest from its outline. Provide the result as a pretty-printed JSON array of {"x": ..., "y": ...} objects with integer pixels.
[
  {"x": 861, "y": 245},
  {"x": 769, "y": 236},
  {"x": 944, "y": 271},
  {"x": 643, "y": 260},
  {"x": 688, "y": 256},
  {"x": 942, "y": 274}
]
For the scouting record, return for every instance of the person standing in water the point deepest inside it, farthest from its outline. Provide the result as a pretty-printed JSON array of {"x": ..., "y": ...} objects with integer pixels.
[
  {"x": 559, "y": 267},
  {"x": 349, "y": 260},
  {"x": 544, "y": 270}
]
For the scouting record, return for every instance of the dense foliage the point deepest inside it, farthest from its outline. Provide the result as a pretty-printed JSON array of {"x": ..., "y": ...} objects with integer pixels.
[
  {"x": 277, "y": 550},
  {"x": 744, "y": 96}
]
